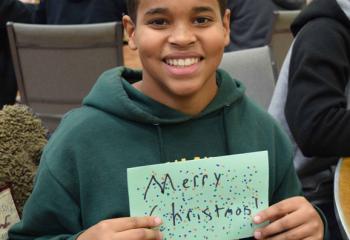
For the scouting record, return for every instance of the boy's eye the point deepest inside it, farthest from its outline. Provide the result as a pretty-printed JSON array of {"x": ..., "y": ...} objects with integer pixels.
[
  {"x": 158, "y": 22},
  {"x": 201, "y": 20}
]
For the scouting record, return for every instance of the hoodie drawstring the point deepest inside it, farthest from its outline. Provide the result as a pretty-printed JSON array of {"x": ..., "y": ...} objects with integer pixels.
[
  {"x": 224, "y": 129},
  {"x": 162, "y": 154}
]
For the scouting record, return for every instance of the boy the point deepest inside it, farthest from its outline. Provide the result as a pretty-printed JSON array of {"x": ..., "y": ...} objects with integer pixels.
[{"x": 81, "y": 189}]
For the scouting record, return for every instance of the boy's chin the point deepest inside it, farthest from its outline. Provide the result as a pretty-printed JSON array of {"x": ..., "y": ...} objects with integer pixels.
[{"x": 186, "y": 90}]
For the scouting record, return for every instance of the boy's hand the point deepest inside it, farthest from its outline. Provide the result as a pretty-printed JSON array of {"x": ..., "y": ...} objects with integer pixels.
[
  {"x": 131, "y": 228},
  {"x": 293, "y": 218}
]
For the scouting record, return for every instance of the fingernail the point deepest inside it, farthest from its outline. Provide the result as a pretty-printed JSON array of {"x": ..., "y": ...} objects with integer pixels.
[
  {"x": 257, "y": 219},
  {"x": 160, "y": 235},
  {"x": 257, "y": 235},
  {"x": 157, "y": 221}
]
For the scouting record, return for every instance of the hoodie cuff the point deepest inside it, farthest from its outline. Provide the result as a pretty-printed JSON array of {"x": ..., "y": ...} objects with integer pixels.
[
  {"x": 75, "y": 236},
  {"x": 325, "y": 223}
]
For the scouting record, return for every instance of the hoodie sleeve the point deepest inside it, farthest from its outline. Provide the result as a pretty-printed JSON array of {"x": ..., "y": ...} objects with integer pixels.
[
  {"x": 44, "y": 218},
  {"x": 40, "y": 16},
  {"x": 285, "y": 182},
  {"x": 290, "y": 4},
  {"x": 13, "y": 11},
  {"x": 316, "y": 107},
  {"x": 16, "y": 11}
]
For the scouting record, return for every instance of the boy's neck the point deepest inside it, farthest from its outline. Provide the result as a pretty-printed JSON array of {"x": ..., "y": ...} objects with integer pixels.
[{"x": 190, "y": 105}]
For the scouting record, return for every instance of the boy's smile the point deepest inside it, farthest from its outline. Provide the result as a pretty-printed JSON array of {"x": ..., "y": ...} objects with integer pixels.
[
  {"x": 180, "y": 45},
  {"x": 182, "y": 64}
]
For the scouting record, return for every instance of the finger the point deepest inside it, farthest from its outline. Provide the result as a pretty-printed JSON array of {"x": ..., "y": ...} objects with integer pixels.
[
  {"x": 128, "y": 223},
  {"x": 300, "y": 232},
  {"x": 139, "y": 234},
  {"x": 306, "y": 220},
  {"x": 275, "y": 218},
  {"x": 312, "y": 238},
  {"x": 278, "y": 210},
  {"x": 283, "y": 224}
]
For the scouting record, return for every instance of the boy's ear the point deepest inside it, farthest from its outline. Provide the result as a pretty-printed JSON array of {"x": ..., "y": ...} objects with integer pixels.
[
  {"x": 226, "y": 24},
  {"x": 129, "y": 27}
]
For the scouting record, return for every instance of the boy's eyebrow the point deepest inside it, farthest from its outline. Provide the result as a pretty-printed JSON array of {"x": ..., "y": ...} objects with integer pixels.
[
  {"x": 202, "y": 9},
  {"x": 160, "y": 10},
  {"x": 154, "y": 11}
]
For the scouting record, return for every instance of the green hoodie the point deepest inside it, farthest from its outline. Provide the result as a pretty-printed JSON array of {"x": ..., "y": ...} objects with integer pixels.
[{"x": 82, "y": 175}]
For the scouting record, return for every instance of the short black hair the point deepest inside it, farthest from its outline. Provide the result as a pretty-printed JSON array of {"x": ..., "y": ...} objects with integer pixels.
[{"x": 132, "y": 6}]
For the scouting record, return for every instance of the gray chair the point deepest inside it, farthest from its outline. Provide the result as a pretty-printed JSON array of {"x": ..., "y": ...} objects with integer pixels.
[
  {"x": 56, "y": 65},
  {"x": 254, "y": 68},
  {"x": 281, "y": 37}
]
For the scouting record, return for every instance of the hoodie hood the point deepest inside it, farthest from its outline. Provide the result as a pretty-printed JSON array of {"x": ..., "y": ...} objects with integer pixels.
[
  {"x": 337, "y": 10},
  {"x": 92, "y": 149},
  {"x": 114, "y": 94}
]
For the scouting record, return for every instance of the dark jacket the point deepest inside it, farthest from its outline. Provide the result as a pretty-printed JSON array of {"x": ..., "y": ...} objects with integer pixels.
[
  {"x": 316, "y": 107},
  {"x": 79, "y": 11},
  {"x": 14, "y": 11},
  {"x": 316, "y": 99}
]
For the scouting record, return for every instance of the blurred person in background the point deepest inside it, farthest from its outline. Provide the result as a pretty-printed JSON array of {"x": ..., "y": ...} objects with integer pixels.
[
  {"x": 311, "y": 99},
  {"x": 252, "y": 21},
  {"x": 16, "y": 11},
  {"x": 47, "y": 12},
  {"x": 79, "y": 11}
]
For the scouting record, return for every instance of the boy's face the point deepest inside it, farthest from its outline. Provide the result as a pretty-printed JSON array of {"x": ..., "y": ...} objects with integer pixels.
[{"x": 180, "y": 43}]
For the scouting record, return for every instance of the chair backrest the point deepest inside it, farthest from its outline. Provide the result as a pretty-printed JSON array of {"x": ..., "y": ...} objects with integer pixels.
[
  {"x": 254, "y": 68},
  {"x": 56, "y": 65},
  {"x": 281, "y": 37}
]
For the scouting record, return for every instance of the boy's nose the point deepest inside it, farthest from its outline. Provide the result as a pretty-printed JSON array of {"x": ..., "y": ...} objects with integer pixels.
[{"x": 182, "y": 36}]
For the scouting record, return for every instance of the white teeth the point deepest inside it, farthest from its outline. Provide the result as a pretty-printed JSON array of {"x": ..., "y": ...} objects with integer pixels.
[{"x": 182, "y": 62}]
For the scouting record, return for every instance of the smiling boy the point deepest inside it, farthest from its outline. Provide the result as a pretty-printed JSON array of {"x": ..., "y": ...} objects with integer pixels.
[
  {"x": 179, "y": 64},
  {"x": 180, "y": 106}
]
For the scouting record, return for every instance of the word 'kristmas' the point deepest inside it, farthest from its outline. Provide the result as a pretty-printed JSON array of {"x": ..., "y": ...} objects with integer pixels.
[{"x": 207, "y": 214}]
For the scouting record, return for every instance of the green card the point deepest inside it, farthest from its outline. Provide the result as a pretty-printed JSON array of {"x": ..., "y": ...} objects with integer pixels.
[{"x": 213, "y": 198}]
